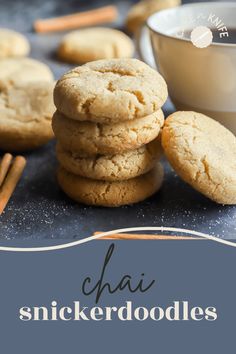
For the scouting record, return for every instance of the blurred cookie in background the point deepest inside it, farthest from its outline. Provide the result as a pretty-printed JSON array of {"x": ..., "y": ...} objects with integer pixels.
[
  {"x": 13, "y": 44},
  {"x": 26, "y": 111},
  {"x": 93, "y": 44},
  {"x": 19, "y": 70},
  {"x": 140, "y": 12}
]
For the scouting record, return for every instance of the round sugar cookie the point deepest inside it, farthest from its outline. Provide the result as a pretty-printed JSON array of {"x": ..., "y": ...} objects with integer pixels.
[
  {"x": 118, "y": 167},
  {"x": 111, "y": 194},
  {"x": 26, "y": 112},
  {"x": 19, "y": 70},
  {"x": 140, "y": 12},
  {"x": 94, "y": 138},
  {"x": 110, "y": 91},
  {"x": 93, "y": 44},
  {"x": 203, "y": 154},
  {"x": 13, "y": 44}
]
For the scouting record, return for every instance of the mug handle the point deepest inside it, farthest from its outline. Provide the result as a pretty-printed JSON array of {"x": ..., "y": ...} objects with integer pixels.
[{"x": 144, "y": 46}]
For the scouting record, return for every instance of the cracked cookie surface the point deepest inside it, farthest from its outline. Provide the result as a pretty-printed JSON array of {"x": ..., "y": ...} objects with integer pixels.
[
  {"x": 203, "y": 154},
  {"x": 13, "y": 44},
  {"x": 26, "y": 112},
  {"x": 111, "y": 194},
  {"x": 94, "y": 138},
  {"x": 111, "y": 167},
  {"x": 93, "y": 44},
  {"x": 110, "y": 91}
]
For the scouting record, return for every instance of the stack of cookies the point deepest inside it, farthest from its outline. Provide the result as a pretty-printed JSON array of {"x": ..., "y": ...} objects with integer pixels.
[{"x": 107, "y": 123}]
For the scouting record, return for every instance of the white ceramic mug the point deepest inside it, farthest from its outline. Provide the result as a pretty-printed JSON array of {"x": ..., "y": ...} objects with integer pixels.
[{"x": 199, "y": 79}]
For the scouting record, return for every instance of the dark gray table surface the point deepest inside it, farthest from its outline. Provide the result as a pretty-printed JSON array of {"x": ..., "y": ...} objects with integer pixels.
[{"x": 39, "y": 210}]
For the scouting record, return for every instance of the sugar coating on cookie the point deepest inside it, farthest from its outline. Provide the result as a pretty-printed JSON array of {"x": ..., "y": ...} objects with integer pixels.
[
  {"x": 26, "y": 112},
  {"x": 94, "y": 138},
  {"x": 19, "y": 70},
  {"x": 203, "y": 154},
  {"x": 111, "y": 194},
  {"x": 93, "y": 44},
  {"x": 13, "y": 44},
  {"x": 110, "y": 91},
  {"x": 117, "y": 167},
  {"x": 140, "y": 12}
]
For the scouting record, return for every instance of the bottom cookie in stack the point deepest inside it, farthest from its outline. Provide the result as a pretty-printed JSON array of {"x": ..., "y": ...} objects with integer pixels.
[
  {"x": 111, "y": 180},
  {"x": 111, "y": 194}
]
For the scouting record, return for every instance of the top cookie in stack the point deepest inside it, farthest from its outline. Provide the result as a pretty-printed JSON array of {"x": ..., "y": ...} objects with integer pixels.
[
  {"x": 106, "y": 111},
  {"x": 110, "y": 91}
]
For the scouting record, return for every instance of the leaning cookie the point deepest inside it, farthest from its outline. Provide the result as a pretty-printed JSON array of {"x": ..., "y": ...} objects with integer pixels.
[
  {"x": 140, "y": 12},
  {"x": 20, "y": 70},
  {"x": 203, "y": 154},
  {"x": 111, "y": 194},
  {"x": 110, "y": 91},
  {"x": 13, "y": 44},
  {"x": 93, "y": 138},
  {"x": 111, "y": 167},
  {"x": 95, "y": 43},
  {"x": 25, "y": 115}
]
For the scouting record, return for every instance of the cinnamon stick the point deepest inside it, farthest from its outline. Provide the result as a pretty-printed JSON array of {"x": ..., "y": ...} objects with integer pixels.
[
  {"x": 4, "y": 166},
  {"x": 11, "y": 181},
  {"x": 144, "y": 237},
  {"x": 81, "y": 19}
]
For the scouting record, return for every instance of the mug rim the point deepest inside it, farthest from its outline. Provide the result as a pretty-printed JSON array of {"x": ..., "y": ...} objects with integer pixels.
[{"x": 191, "y": 5}]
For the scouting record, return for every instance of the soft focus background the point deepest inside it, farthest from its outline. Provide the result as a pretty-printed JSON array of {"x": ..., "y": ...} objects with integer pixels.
[{"x": 19, "y": 14}]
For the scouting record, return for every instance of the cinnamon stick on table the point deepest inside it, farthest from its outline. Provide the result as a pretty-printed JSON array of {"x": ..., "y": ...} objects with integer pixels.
[
  {"x": 81, "y": 19},
  {"x": 4, "y": 166},
  {"x": 11, "y": 181},
  {"x": 144, "y": 237}
]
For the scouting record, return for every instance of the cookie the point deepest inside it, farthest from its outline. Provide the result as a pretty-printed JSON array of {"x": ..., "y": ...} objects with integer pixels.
[
  {"x": 111, "y": 194},
  {"x": 93, "y": 44},
  {"x": 13, "y": 44},
  {"x": 25, "y": 115},
  {"x": 140, "y": 12},
  {"x": 203, "y": 154},
  {"x": 94, "y": 138},
  {"x": 110, "y": 91},
  {"x": 111, "y": 167},
  {"x": 17, "y": 70}
]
